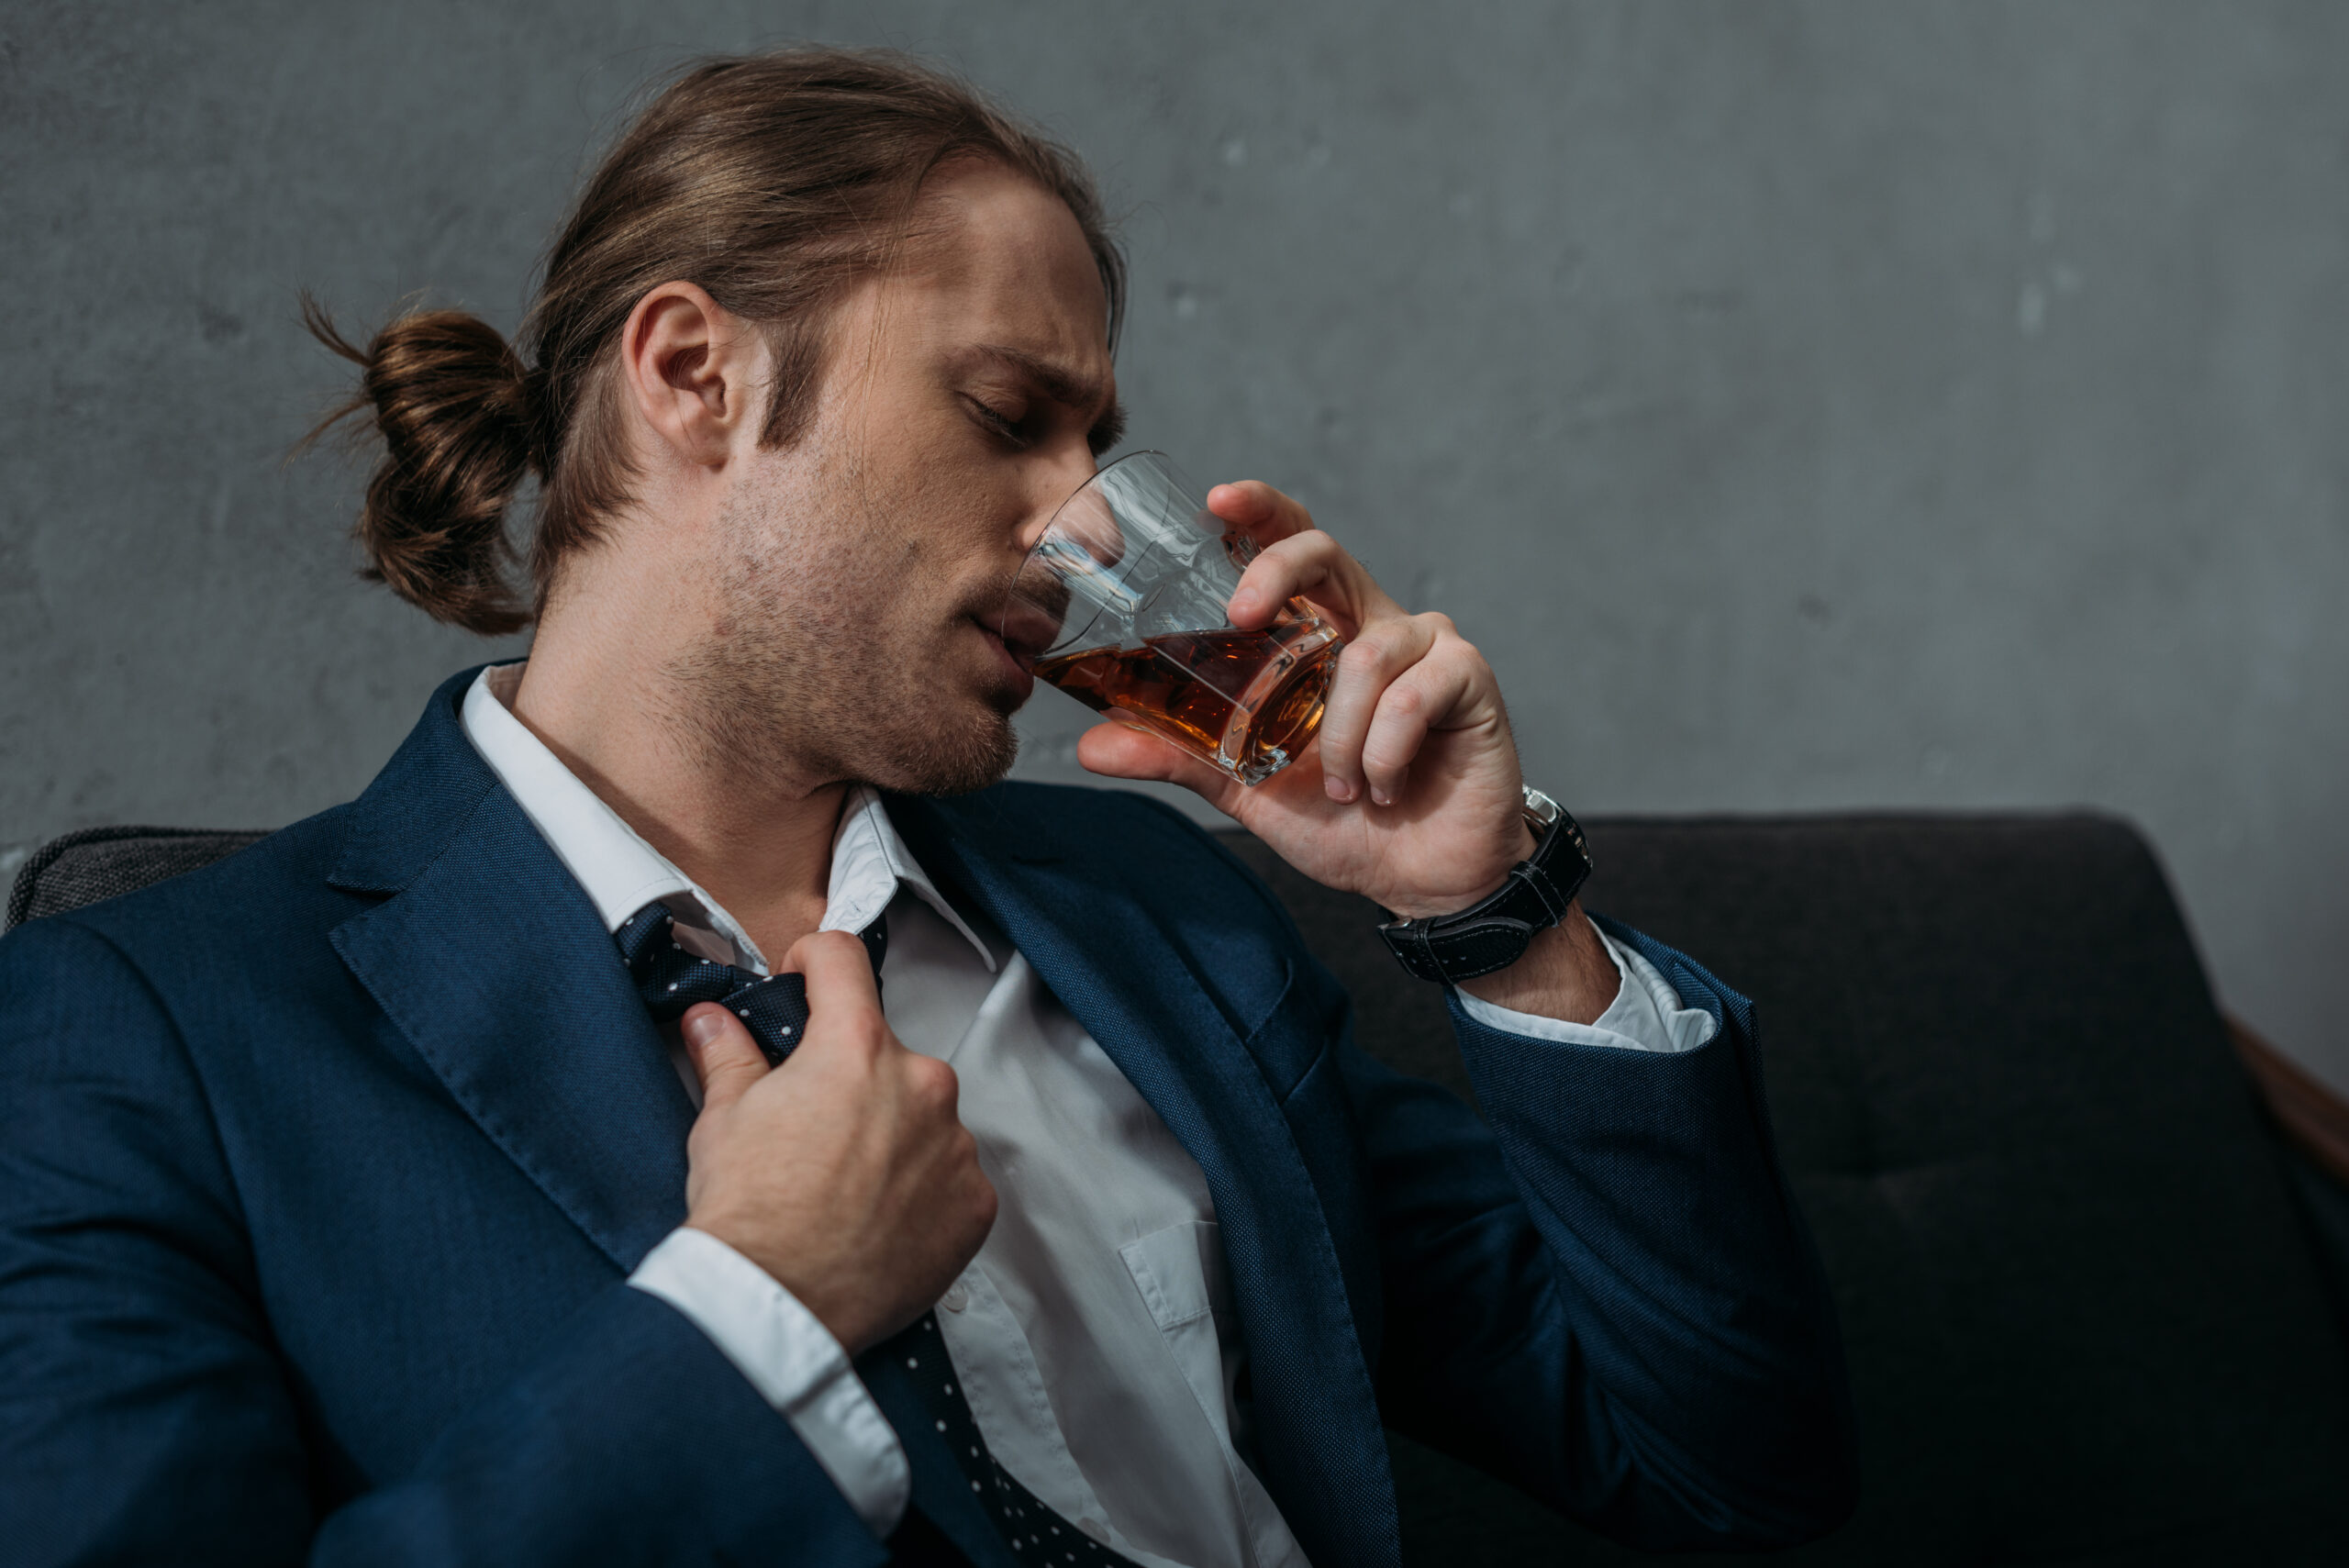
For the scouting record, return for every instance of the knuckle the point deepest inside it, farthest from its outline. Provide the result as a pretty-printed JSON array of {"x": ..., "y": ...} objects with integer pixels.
[
  {"x": 1275, "y": 582},
  {"x": 1277, "y": 566},
  {"x": 1306, "y": 549},
  {"x": 933, "y": 1080}
]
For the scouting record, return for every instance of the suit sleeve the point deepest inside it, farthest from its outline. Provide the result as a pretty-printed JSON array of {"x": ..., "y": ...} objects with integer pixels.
[
  {"x": 1607, "y": 1298},
  {"x": 145, "y": 1415}
]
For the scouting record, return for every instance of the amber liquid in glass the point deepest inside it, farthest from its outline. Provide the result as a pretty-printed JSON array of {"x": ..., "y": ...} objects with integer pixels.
[{"x": 1178, "y": 684}]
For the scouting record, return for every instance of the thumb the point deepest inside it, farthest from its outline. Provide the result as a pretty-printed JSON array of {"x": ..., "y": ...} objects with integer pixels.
[
  {"x": 725, "y": 1058},
  {"x": 1119, "y": 750}
]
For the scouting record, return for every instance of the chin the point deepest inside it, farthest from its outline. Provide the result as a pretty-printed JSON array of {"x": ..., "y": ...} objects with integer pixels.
[{"x": 941, "y": 760}]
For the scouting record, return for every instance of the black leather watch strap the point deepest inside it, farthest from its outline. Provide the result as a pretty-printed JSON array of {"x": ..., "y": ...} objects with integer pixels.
[{"x": 1495, "y": 931}]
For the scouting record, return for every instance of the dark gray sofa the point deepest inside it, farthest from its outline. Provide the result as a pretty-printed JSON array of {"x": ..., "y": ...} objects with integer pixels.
[{"x": 2089, "y": 1313}]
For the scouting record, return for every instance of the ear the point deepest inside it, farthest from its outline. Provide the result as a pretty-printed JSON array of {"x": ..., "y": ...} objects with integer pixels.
[{"x": 690, "y": 366}]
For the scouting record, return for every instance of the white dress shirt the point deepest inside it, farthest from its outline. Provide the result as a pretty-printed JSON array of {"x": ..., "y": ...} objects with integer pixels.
[{"x": 1091, "y": 1332}]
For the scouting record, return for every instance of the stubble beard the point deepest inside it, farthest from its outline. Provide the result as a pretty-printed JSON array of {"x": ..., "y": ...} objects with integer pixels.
[{"x": 811, "y": 672}]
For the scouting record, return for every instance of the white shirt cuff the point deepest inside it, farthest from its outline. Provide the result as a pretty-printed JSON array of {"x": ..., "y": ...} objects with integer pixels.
[
  {"x": 792, "y": 1360},
  {"x": 1646, "y": 1014}
]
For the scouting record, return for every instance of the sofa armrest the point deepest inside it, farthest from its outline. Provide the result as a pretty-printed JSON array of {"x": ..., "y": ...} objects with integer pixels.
[{"x": 2314, "y": 1122}]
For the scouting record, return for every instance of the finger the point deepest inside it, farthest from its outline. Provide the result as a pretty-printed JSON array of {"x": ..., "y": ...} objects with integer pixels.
[
  {"x": 1315, "y": 567},
  {"x": 1422, "y": 697},
  {"x": 1259, "y": 510},
  {"x": 1366, "y": 667},
  {"x": 725, "y": 1058},
  {"x": 1120, "y": 750},
  {"x": 838, "y": 970}
]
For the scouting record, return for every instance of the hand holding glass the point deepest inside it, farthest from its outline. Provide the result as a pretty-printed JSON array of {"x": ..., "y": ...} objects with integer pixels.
[{"x": 1122, "y": 604}]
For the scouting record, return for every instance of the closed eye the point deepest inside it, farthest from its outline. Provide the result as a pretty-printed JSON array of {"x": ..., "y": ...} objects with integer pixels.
[{"x": 1002, "y": 425}]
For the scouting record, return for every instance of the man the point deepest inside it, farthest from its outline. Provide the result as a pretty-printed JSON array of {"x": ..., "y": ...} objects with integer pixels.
[{"x": 364, "y": 1202}]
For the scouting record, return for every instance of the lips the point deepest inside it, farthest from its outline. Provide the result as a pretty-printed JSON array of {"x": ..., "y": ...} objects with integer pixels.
[
  {"x": 1014, "y": 669},
  {"x": 1028, "y": 628}
]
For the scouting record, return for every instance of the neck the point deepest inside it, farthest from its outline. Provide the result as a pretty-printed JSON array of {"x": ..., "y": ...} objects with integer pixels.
[{"x": 760, "y": 841}]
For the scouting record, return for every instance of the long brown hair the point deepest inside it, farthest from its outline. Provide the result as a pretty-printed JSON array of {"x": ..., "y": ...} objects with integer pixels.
[{"x": 770, "y": 180}]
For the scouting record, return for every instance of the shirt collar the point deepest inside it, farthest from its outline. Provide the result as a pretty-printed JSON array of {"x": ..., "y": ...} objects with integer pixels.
[
  {"x": 621, "y": 873},
  {"x": 870, "y": 862}
]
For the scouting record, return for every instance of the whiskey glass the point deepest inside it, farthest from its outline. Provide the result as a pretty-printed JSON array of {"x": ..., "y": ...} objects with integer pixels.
[{"x": 1122, "y": 604}]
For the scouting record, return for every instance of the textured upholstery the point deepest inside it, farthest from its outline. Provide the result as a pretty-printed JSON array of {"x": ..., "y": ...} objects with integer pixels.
[
  {"x": 2086, "y": 1321},
  {"x": 102, "y": 862}
]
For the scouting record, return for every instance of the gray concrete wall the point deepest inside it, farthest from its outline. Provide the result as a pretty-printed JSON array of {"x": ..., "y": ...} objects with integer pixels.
[{"x": 1805, "y": 404}]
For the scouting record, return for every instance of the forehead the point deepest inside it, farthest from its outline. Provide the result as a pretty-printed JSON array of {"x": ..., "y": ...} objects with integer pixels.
[{"x": 994, "y": 258}]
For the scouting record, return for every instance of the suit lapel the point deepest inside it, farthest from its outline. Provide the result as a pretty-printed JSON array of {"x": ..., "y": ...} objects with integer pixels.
[
  {"x": 492, "y": 963},
  {"x": 489, "y": 958},
  {"x": 1320, "y": 1440}
]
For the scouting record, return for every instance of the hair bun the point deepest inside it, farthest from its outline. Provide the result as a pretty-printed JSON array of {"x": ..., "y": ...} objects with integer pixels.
[{"x": 451, "y": 402}]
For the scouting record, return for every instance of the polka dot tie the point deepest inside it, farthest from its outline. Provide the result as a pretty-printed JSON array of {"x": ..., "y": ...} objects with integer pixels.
[
  {"x": 1033, "y": 1531},
  {"x": 671, "y": 980}
]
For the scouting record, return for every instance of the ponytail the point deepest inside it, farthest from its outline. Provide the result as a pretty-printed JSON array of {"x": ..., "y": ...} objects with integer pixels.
[{"x": 453, "y": 404}]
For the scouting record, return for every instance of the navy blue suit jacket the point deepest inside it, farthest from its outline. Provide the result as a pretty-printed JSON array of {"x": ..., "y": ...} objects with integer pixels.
[{"x": 321, "y": 1170}]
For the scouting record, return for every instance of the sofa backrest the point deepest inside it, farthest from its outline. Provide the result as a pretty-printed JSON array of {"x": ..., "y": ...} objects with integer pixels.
[{"x": 104, "y": 862}]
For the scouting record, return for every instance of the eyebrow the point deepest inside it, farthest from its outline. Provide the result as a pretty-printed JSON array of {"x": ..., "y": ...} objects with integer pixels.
[{"x": 1067, "y": 388}]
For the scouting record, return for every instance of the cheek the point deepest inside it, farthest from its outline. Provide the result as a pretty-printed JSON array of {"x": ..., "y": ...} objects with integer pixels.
[
  {"x": 963, "y": 530},
  {"x": 936, "y": 518}
]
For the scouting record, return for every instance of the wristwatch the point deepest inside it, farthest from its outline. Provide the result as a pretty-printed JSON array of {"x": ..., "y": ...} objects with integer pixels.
[{"x": 1495, "y": 931}]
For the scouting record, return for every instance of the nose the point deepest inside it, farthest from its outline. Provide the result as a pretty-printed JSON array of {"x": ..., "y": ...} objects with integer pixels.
[{"x": 1058, "y": 474}]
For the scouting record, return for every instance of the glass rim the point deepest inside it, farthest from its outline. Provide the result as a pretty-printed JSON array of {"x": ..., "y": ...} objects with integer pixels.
[
  {"x": 1175, "y": 476},
  {"x": 1161, "y": 468}
]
